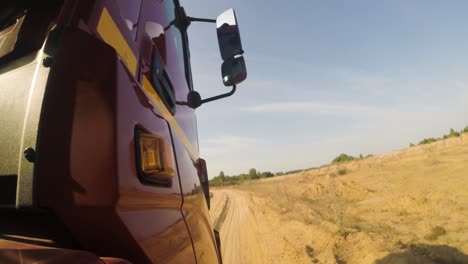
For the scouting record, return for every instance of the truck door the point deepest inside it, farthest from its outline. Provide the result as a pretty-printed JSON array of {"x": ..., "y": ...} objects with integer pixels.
[
  {"x": 152, "y": 209},
  {"x": 107, "y": 167},
  {"x": 165, "y": 56}
]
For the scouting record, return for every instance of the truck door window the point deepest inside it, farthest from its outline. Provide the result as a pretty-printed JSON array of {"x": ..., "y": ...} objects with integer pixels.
[
  {"x": 157, "y": 23},
  {"x": 158, "y": 73},
  {"x": 130, "y": 13}
]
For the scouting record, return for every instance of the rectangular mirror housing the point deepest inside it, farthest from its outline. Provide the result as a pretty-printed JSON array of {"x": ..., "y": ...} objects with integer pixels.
[{"x": 228, "y": 35}]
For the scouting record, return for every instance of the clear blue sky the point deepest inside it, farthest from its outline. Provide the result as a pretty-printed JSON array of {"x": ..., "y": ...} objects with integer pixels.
[{"x": 330, "y": 77}]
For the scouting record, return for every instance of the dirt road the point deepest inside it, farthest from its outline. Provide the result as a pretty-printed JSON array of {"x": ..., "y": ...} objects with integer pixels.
[{"x": 240, "y": 240}]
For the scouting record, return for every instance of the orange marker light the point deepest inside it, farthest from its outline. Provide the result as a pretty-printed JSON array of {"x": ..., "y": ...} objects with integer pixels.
[
  {"x": 151, "y": 164},
  {"x": 151, "y": 158}
]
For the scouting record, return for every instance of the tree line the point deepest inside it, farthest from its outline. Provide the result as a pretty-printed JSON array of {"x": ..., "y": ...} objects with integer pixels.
[
  {"x": 452, "y": 133},
  {"x": 253, "y": 174}
]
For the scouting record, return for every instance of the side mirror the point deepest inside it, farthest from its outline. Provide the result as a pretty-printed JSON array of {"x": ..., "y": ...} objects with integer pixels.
[
  {"x": 233, "y": 71},
  {"x": 228, "y": 35}
]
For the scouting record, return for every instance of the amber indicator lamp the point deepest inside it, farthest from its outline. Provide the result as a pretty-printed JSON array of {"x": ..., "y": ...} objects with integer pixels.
[{"x": 152, "y": 166}]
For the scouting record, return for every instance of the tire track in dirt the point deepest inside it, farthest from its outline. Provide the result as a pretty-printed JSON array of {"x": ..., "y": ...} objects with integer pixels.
[
  {"x": 219, "y": 222},
  {"x": 240, "y": 240}
]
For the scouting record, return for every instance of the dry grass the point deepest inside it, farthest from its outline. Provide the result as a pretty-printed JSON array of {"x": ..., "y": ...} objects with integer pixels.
[
  {"x": 436, "y": 232},
  {"x": 365, "y": 210}
]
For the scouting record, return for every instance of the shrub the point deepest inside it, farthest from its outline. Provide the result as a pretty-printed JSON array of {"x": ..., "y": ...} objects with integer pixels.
[
  {"x": 427, "y": 141},
  {"x": 342, "y": 171},
  {"x": 310, "y": 251},
  {"x": 292, "y": 171},
  {"x": 436, "y": 232},
  {"x": 267, "y": 174},
  {"x": 454, "y": 133},
  {"x": 465, "y": 130},
  {"x": 342, "y": 158}
]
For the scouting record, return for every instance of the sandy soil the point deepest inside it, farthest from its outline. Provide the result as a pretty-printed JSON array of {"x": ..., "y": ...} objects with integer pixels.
[
  {"x": 240, "y": 240},
  {"x": 408, "y": 206}
]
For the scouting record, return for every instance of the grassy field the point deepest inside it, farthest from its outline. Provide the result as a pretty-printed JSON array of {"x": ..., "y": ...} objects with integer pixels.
[{"x": 408, "y": 206}]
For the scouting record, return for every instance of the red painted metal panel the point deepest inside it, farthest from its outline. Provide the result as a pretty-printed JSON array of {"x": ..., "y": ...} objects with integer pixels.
[
  {"x": 167, "y": 41},
  {"x": 195, "y": 208},
  {"x": 86, "y": 166},
  {"x": 76, "y": 166},
  {"x": 86, "y": 161}
]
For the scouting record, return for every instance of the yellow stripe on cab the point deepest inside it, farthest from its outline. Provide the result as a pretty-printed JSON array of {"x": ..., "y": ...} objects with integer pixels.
[
  {"x": 159, "y": 104},
  {"x": 111, "y": 34}
]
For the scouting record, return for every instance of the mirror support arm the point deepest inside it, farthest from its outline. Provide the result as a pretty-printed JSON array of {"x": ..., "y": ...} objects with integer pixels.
[
  {"x": 219, "y": 96},
  {"x": 206, "y": 20}
]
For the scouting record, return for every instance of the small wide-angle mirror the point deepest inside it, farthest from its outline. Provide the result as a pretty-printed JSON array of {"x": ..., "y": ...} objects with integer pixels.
[
  {"x": 234, "y": 71},
  {"x": 228, "y": 35}
]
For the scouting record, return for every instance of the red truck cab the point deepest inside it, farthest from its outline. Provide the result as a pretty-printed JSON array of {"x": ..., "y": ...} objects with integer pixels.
[{"x": 99, "y": 145}]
